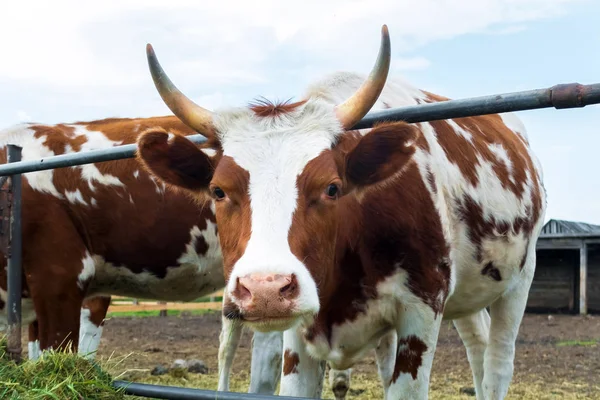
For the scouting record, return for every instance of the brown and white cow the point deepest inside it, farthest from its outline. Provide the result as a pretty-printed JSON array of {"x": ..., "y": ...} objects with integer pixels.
[
  {"x": 111, "y": 229},
  {"x": 344, "y": 238}
]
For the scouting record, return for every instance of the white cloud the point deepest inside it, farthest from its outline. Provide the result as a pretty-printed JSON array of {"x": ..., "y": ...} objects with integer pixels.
[
  {"x": 73, "y": 43},
  {"x": 22, "y": 116},
  {"x": 410, "y": 63}
]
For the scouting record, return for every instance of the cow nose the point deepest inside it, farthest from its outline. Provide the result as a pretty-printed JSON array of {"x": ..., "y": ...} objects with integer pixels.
[
  {"x": 271, "y": 286},
  {"x": 266, "y": 295}
]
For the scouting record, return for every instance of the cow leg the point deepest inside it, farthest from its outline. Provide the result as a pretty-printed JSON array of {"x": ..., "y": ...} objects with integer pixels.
[
  {"x": 33, "y": 347},
  {"x": 265, "y": 371},
  {"x": 506, "y": 315},
  {"x": 339, "y": 381},
  {"x": 302, "y": 374},
  {"x": 59, "y": 328},
  {"x": 474, "y": 332},
  {"x": 417, "y": 329},
  {"x": 385, "y": 356},
  {"x": 91, "y": 325},
  {"x": 228, "y": 344}
]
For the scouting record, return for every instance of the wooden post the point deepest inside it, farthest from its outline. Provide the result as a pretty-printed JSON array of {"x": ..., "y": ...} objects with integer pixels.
[
  {"x": 162, "y": 313},
  {"x": 583, "y": 278}
]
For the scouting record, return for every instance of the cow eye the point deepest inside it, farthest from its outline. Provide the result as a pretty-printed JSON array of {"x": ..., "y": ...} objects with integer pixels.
[
  {"x": 218, "y": 193},
  {"x": 332, "y": 191}
]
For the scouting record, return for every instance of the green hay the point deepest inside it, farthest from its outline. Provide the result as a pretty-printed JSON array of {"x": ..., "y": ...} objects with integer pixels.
[{"x": 57, "y": 376}]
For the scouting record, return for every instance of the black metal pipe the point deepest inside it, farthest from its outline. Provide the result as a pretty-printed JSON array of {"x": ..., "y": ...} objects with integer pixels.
[
  {"x": 179, "y": 393},
  {"x": 84, "y": 157},
  {"x": 570, "y": 95},
  {"x": 14, "y": 273}
]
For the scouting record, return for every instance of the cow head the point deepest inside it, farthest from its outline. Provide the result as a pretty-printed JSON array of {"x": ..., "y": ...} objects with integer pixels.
[{"x": 278, "y": 175}]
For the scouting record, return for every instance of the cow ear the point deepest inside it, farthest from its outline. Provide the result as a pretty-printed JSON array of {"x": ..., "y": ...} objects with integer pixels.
[
  {"x": 380, "y": 154},
  {"x": 176, "y": 160}
]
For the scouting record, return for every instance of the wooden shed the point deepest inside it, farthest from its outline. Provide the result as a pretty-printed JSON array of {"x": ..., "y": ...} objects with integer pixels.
[{"x": 567, "y": 276}]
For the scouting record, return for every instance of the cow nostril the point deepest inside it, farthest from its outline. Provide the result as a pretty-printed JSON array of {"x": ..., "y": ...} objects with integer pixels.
[
  {"x": 290, "y": 289},
  {"x": 241, "y": 291}
]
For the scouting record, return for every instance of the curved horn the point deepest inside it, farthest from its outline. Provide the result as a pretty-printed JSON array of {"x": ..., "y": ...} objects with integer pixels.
[
  {"x": 353, "y": 109},
  {"x": 191, "y": 114}
]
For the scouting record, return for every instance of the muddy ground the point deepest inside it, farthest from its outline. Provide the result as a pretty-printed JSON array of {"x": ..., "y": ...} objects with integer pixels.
[{"x": 557, "y": 356}]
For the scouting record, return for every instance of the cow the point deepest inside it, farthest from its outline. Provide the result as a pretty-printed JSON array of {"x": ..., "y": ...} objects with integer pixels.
[
  {"x": 111, "y": 228},
  {"x": 344, "y": 239},
  {"x": 95, "y": 230}
]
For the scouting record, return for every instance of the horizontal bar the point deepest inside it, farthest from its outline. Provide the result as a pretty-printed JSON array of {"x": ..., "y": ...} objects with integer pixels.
[
  {"x": 84, "y": 157},
  {"x": 561, "y": 96},
  {"x": 570, "y": 95},
  {"x": 180, "y": 393}
]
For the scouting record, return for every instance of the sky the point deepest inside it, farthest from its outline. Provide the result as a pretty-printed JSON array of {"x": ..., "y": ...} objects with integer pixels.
[{"x": 70, "y": 60}]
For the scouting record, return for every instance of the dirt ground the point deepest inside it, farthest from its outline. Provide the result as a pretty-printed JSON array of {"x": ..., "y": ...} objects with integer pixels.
[{"x": 557, "y": 356}]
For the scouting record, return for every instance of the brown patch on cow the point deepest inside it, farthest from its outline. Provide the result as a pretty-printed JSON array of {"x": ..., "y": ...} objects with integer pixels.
[
  {"x": 381, "y": 153},
  {"x": 33, "y": 331},
  {"x": 492, "y": 272},
  {"x": 265, "y": 108},
  {"x": 480, "y": 227},
  {"x": 389, "y": 229},
  {"x": 233, "y": 213},
  {"x": 98, "y": 307},
  {"x": 409, "y": 357},
  {"x": 433, "y": 98},
  {"x": 177, "y": 161},
  {"x": 290, "y": 362}
]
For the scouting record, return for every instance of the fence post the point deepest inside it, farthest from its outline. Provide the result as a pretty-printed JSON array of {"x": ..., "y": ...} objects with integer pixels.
[{"x": 14, "y": 273}]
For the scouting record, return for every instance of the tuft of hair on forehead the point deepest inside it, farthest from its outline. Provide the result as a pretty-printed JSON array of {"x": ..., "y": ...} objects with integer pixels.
[{"x": 263, "y": 107}]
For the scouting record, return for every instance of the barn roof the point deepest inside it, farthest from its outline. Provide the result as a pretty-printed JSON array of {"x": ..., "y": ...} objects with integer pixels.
[{"x": 559, "y": 227}]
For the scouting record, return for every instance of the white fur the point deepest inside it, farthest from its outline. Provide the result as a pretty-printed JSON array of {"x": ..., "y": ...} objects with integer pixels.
[
  {"x": 308, "y": 381},
  {"x": 385, "y": 355},
  {"x": 229, "y": 339},
  {"x": 209, "y": 152},
  {"x": 96, "y": 140},
  {"x": 89, "y": 335},
  {"x": 33, "y": 350},
  {"x": 32, "y": 149},
  {"x": 266, "y": 362},
  {"x": 75, "y": 197},
  {"x": 87, "y": 271}
]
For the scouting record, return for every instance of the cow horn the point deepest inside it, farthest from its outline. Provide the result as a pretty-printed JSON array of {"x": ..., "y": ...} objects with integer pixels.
[
  {"x": 191, "y": 114},
  {"x": 356, "y": 107}
]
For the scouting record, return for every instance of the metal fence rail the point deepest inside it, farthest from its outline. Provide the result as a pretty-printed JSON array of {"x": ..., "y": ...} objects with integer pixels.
[
  {"x": 559, "y": 96},
  {"x": 180, "y": 393},
  {"x": 571, "y": 95},
  {"x": 568, "y": 95}
]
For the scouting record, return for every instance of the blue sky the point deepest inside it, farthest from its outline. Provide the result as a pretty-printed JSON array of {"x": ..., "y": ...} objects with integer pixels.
[{"x": 73, "y": 60}]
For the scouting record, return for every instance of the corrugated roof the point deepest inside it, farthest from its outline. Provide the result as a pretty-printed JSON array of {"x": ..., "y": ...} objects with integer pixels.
[{"x": 571, "y": 228}]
